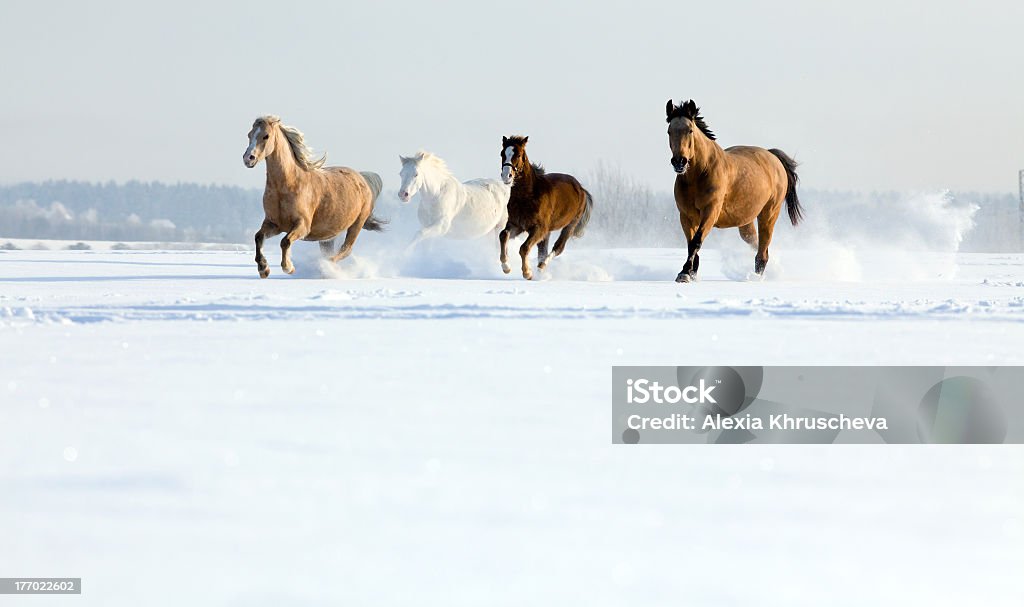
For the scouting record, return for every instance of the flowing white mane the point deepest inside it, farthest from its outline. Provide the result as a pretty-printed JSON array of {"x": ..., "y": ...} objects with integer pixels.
[
  {"x": 296, "y": 141},
  {"x": 427, "y": 162}
]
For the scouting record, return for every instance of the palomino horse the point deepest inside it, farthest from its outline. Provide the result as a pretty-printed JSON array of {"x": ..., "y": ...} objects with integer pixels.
[
  {"x": 728, "y": 188},
  {"x": 303, "y": 198},
  {"x": 539, "y": 203},
  {"x": 449, "y": 208}
]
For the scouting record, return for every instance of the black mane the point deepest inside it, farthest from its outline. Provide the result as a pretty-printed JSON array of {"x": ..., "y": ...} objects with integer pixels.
[
  {"x": 538, "y": 169},
  {"x": 690, "y": 111}
]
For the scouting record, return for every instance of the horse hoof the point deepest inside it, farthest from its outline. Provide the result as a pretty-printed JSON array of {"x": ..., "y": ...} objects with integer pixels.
[
  {"x": 542, "y": 266},
  {"x": 288, "y": 269},
  {"x": 506, "y": 268},
  {"x": 528, "y": 275},
  {"x": 264, "y": 272},
  {"x": 684, "y": 277}
]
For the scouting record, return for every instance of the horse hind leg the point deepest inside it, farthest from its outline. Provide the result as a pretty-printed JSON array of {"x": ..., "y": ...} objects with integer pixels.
[
  {"x": 350, "y": 237},
  {"x": 765, "y": 227},
  {"x": 559, "y": 247},
  {"x": 350, "y": 241},
  {"x": 563, "y": 239}
]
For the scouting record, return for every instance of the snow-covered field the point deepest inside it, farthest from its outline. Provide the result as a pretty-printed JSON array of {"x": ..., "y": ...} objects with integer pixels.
[{"x": 423, "y": 430}]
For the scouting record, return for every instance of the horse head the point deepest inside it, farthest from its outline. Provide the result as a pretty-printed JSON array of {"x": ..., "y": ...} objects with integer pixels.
[
  {"x": 513, "y": 158},
  {"x": 684, "y": 121},
  {"x": 262, "y": 138},
  {"x": 412, "y": 178}
]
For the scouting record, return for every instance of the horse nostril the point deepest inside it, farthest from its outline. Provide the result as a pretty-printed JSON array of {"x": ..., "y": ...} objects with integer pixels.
[{"x": 251, "y": 157}]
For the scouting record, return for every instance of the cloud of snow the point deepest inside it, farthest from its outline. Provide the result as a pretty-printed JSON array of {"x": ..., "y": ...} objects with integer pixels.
[
  {"x": 842, "y": 238},
  {"x": 860, "y": 238},
  {"x": 388, "y": 255}
]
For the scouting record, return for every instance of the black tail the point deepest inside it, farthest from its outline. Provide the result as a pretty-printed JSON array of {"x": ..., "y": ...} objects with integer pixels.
[
  {"x": 581, "y": 225},
  {"x": 374, "y": 224},
  {"x": 796, "y": 212}
]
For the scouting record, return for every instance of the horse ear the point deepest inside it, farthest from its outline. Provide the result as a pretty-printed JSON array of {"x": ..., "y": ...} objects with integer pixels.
[
  {"x": 668, "y": 108},
  {"x": 504, "y": 141},
  {"x": 690, "y": 107},
  {"x": 525, "y": 139}
]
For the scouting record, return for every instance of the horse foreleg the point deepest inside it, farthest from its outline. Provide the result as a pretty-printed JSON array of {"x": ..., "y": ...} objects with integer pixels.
[
  {"x": 327, "y": 247},
  {"x": 542, "y": 252},
  {"x": 689, "y": 233},
  {"x": 749, "y": 235},
  {"x": 510, "y": 231},
  {"x": 267, "y": 229},
  {"x": 426, "y": 233},
  {"x": 503, "y": 253},
  {"x": 708, "y": 217},
  {"x": 535, "y": 236},
  {"x": 300, "y": 231},
  {"x": 689, "y": 271},
  {"x": 497, "y": 239}
]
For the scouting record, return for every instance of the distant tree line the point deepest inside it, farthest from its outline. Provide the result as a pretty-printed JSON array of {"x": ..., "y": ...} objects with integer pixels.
[{"x": 129, "y": 211}]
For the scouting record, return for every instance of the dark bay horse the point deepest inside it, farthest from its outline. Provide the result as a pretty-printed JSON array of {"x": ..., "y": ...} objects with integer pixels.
[
  {"x": 304, "y": 199},
  {"x": 730, "y": 188},
  {"x": 539, "y": 203}
]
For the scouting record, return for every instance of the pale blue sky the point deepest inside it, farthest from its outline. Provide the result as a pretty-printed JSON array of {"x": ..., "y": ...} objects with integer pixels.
[{"x": 867, "y": 95}]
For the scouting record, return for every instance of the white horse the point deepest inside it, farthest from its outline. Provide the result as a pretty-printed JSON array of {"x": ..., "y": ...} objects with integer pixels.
[{"x": 448, "y": 208}]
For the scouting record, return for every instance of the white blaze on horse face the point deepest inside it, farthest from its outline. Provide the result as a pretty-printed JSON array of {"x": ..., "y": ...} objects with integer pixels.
[
  {"x": 506, "y": 170},
  {"x": 249, "y": 157}
]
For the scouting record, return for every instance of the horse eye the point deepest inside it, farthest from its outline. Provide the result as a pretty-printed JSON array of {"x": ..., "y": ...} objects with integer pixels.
[{"x": 265, "y": 137}]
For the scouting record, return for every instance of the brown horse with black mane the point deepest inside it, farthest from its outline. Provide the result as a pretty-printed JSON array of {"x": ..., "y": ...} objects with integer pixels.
[
  {"x": 730, "y": 188},
  {"x": 539, "y": 203}
]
